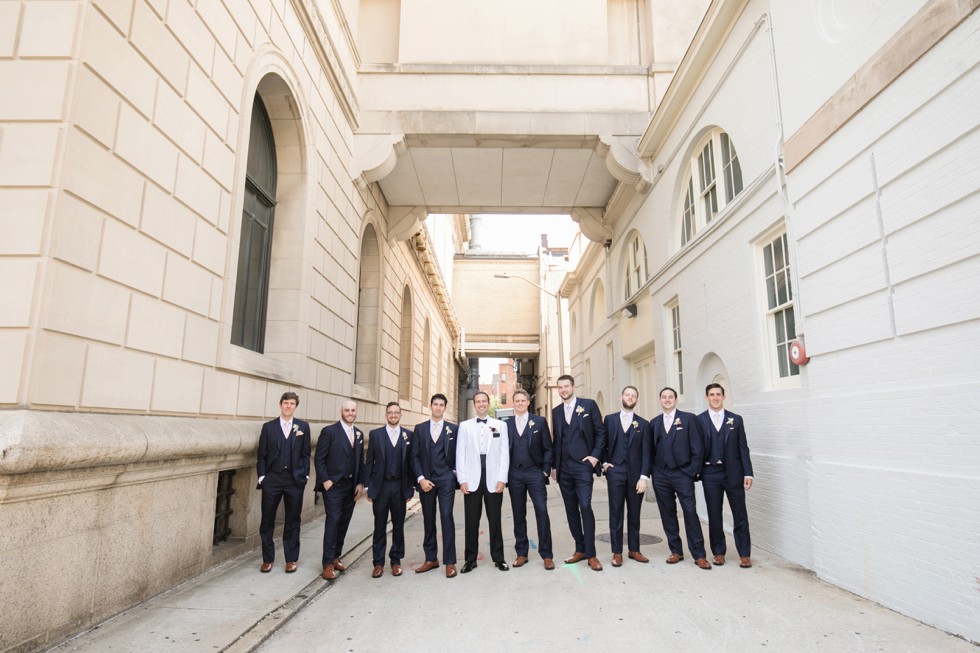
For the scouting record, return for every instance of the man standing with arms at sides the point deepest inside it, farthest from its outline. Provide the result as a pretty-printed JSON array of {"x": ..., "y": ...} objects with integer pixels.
[
  {"x": 433, "y": 464},
  {"x": 580, "y": 438},
  {"x": 677, "y": 458},
  {"x": 283, "y": 467},
  {"x": 482, "y": 463},
  {"x": 626, "y": 461},
  {"x": 388, "y": 472},
  {"x": 727, "y": 470},
  {"x": 339, "y": 452},
  {"x": 530, "y": 465}
]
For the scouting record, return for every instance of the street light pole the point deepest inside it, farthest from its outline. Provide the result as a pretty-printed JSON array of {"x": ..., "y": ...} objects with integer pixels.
[{"x": 561, "y": 339}]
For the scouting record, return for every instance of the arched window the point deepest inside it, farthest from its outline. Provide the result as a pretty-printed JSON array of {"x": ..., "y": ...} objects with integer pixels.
[
  {"x": 255, "y": 250},
  {"x": 598, "y": 309},
  {"x": 368, "y": 313},
  {"x": 714, "y": 178},
  {"x": 405, "y": 348},
  {"x": 637, "y": 272},
  {"x": 426, "y": 362}
]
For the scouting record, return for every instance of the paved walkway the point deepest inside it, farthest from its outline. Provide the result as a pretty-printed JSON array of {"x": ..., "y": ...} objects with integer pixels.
[{"x": 775, "y": 606}]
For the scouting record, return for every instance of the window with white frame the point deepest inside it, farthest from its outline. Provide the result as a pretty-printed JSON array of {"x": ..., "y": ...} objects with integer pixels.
[
  {"x": 779, "y": 301},
  {"x": 703, "y": 198},
  {"x": 637, "y": 271},
  {"x": 674, "y": 309}
]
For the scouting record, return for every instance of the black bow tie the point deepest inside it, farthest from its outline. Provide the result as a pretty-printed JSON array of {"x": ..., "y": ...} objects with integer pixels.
[{"x": 481, "y": 421}]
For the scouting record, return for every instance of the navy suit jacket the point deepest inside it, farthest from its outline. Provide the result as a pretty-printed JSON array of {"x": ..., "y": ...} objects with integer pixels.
[
  {"x": 333, "y": 455},
  {"x": 587, "y": 420},
  {"x": 636, "y": 443},
  {"x": 422, "y": 448},
  {"x": 270, "y": 441},
  {"x": 539, "y": 442},
  {"x": 738, "y": 465},
  {"x": 684, "y": 439},
  {"x": 374, "y": 469}
]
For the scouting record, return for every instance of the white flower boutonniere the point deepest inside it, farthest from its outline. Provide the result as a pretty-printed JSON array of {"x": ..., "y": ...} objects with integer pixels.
[
  {"x": 358, "y": 434},
  {"x": 731, "y": 421},
  {"x": 530, "y": 423},
  {"x": 449, "y": 431},
  {"x": 677, "y": 422},
  {"x": 296, "y": 431},
  {"x": 579, "y": 410},
  {"x": 405, "y": 437}
]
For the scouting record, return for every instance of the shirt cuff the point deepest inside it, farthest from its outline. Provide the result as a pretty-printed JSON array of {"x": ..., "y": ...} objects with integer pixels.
[
  {"x": 420, "y": 479},
  {"x": 261, "y": 477},
  {"x": 645, "y": 478},
  {"x": 747, "y": 477}
]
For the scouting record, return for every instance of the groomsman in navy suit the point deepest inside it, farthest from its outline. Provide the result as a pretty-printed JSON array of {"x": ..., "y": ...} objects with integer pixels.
[
  {"x": 283, "y": 468},
  {"x": 434, "y": 467},
  {"x": 727, "y": 470},
  {"x": 390, "y": 485},
  {"x": 530, "y": 465},
  {"x": 678, "y": 453},
  {"x": 339, "y": 453},
  {"x": 625, "y": 463},
  {"x": 580, "y": 438}
]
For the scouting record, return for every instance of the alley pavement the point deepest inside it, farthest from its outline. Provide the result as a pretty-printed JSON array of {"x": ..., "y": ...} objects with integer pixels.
[{"x": 774, "y": 606}]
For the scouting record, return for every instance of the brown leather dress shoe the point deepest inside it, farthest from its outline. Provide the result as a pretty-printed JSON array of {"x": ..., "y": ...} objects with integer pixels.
[
  {"x": 639, "y": 557},
  {"x": 378, "y": 571},
  {"x": 617, "y": 560},
  {"x": 578, "y": 556},
  {"x": 745, "y": 562},
  {"x": 549, "y": 564},
  {"x": 337, "y": 566},
  {"x": 396, "y": 570},
  {"x": 675, "y": 558},
  {"x": 266, "y": 567},
  {"x": 290, "y": 567},
  {"x": 718, "y": 560},
  {"x": 702, "y": 563},
  {"x": 520, "y": 561},
  {"x": 450, "y": 571},
  {"x": 426, "y": 566},
  {"x": 328, "y": 573},
  {"x": 594, "y": 564}
]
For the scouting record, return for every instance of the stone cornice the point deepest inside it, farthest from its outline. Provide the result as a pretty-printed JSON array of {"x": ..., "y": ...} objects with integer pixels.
[{"x": 326, "y": 53}]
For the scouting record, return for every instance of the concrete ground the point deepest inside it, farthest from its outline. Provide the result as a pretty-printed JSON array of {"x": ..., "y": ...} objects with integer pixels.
[{"x": 774, "y": 606}]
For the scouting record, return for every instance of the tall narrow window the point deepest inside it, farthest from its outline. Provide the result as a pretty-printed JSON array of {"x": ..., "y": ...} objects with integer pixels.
[
  {"x": 677, "y": 358},
  {"x": 779, "y": 298},
  {"x": 255, "y": 246},
  {"x": 702, "y": 198},
  {"x": 368, "y": 315},
  {"x": 426, "y": 362},
  {"x": 405, "y": 353},
  {"x": 636, "y": 266}
]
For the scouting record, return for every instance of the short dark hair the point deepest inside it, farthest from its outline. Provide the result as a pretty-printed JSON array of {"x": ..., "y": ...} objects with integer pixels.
[
  {"x": 392, "y": 403},
  {"x": 665, "y": 389},
  {"x": 441, "y": 396},
  {"x": 566, "y": 377},
  {"x": 289, "y": 395},
  {"x": 631, "y": 387},
  {"x": 520, "y": 391},
  {"x": 481, "y": 392},
  {"x": 712, "y": 386}
]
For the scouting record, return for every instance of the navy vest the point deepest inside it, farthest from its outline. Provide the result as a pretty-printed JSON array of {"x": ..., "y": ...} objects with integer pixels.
[
  {"x": 285, "y": 452},
  {"x": 393, "y": 458}
]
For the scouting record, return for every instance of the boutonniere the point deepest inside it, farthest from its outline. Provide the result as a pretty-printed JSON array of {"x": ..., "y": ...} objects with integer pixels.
[
  {"x": 358, "y": 434},
  {"x": 296, "y": 431},
  {"x": 636, "y": 424},
  {"x": 731, "y": 421},
  {"x": 579, "y": 410},
  {"x": 405, "y": 437},
  {"x": 493, "y": 429},
  {"x": 677, "y": 422},
  {"x": 530, "y": 423},
  {"x": 449, "y": 431}
]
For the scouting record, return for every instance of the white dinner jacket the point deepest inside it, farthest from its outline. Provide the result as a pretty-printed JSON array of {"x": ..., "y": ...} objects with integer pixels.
[{"x": 468, "y": 454}]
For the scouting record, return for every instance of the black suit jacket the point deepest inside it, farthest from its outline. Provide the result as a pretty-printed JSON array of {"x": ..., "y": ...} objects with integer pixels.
[
  {"x": 587, "y": 420},
  {"x": 738, "y": 465},
  {"x": 270, "y": 441},
  {"x": 334, "y": 453},
  {"x": 374, "y": 468},
  {"x": 538, "y": 441},
  {"x": 635, "y": 443},
  {"x": 423, "y": 445},
  {"x": 684, "y": 439}
]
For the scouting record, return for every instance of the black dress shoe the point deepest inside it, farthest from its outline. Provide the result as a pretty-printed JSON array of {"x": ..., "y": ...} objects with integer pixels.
[
  {"x": 502, "y": 566},
  {"x": 468, "y": 566}
]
